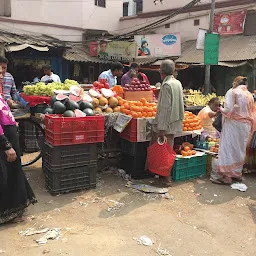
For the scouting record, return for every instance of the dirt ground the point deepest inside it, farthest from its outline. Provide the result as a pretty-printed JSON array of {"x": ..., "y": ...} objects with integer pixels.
[{"x": 198, "y": 219}]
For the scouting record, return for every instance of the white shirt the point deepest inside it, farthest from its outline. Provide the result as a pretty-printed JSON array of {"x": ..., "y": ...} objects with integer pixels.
[{"x": 53, "y": 77}]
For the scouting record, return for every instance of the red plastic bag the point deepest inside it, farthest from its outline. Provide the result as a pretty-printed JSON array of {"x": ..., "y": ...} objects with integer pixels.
[{"x": 161, "y": 158}]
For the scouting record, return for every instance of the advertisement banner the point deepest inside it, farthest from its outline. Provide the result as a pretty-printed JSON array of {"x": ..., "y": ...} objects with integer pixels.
[
  {"x": 211, "y": 49},
  {"x": 231, "y": 23},
  {"x": 113, "y": 50},
  {"x": 158, "y": 45}
]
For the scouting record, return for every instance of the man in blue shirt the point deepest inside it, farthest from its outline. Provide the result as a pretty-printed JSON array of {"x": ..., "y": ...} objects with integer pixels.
[{"x": 111, "y": 75}]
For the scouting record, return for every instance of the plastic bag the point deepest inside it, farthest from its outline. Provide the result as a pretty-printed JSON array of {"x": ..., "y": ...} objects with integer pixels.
[{"x": 161, "y": 158}]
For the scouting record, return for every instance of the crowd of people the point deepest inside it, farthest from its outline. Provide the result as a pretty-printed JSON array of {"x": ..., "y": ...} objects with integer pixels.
[{"x": 116, "y": 70}]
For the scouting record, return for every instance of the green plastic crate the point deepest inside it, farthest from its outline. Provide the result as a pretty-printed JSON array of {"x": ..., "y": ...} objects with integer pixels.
[{"x": 189, "y": 168}]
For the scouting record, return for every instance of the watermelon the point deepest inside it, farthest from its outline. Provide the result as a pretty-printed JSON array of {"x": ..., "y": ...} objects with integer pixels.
[
  {"x": 71, "y": 105},
  {"x": 58, "y": 108},
  {"x": 69, "y": 113},
  {"x": 79, "y": 113},
  {"x": 88, "y": 112},
  {"x": 75, "y": 98},
  {"x": 61, "y": 97},
  {"x": 53, "y": 100},
  {"x": 48, "y": 111},
  {"x": 83, "y": 105}
]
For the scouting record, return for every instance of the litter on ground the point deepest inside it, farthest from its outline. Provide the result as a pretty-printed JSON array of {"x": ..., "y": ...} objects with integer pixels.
[
  {"x": 239, "y": 186},
  {"x": 144, "y": 240},
  {"x": 147, "y": 188}
]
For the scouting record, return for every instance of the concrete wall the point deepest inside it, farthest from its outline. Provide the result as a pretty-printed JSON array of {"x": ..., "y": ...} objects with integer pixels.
[{"x": 81, "y": 14}]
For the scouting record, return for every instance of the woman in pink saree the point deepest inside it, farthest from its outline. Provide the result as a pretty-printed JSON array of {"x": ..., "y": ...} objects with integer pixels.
[{"x": 236, "y": 130}]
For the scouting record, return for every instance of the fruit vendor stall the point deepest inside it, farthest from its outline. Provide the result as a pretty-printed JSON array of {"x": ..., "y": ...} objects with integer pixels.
[{"x": 81, "y": 127}]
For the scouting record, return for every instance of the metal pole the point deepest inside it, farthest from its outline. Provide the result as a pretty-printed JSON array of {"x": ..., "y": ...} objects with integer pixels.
[{"x": 207, "y": 81}]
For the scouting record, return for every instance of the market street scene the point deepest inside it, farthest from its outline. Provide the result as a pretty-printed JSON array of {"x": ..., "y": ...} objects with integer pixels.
[{"x": 128, "y": 127}]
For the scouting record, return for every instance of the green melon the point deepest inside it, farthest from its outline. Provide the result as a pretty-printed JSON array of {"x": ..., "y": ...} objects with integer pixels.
[{"x": 58, "y": 108}]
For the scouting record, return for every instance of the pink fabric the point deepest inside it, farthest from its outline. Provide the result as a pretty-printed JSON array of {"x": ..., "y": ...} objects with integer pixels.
[
  {"x": 145, "y": 78},
  {"x": 6, "y": 117}
]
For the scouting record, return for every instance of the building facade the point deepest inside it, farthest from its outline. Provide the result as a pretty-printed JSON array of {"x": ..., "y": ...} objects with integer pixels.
[
  {"x": 64, "y": 19},
  {"x": 187, "y": 22}
]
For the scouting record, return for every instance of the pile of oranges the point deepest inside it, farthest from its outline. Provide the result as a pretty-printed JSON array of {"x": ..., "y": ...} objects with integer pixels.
[
  {"x": 191, "y": 122},
  {"x": 137, "y": 109},
  {"x": 188, "y": 152}
]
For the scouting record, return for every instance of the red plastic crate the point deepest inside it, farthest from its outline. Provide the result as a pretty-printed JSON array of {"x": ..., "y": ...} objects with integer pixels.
[
  {"x": 130, "y": 131},
  {"x": 137, "y": 130},
  {"x": 73, "y": 130}
]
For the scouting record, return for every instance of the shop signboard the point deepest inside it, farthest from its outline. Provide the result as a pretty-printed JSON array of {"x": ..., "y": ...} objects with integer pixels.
[
  {"x": 158, "y": 45},
  {"x": 229, "y": 23},
  {"x": 211, "y": 49},
  {"x": 113, "y": 50}
]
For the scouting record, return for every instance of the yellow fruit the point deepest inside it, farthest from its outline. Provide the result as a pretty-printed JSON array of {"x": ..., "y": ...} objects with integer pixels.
[
  {"x": 95, "y": 102},
  {"x": 103, "y": 101},
  {"x": 117, "y": 109},
  {"x": 98, "y": 110},
  {"x": 108, "y": 110},
  {"x": 112, "y": 102}
]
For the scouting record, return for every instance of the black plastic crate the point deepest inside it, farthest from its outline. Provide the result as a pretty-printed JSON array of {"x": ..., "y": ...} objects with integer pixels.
[
  {"x": 135, "y": 166},
  {"x": 64, "y": 180},
  {"x": 38, "y": 109},
  {"x": 70, "y": 156},
  {"x": 134, "y": 148}
]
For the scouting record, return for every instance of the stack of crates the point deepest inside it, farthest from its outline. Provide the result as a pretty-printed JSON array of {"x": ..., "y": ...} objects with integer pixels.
[
  {"x": 70, "y": 154},
  {"x": 134, "y": 156}
]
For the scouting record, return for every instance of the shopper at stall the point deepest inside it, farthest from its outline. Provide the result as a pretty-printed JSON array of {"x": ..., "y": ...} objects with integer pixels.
[
  {"x": 170, "y": 108},
  {"x": 15, "y": 192},
  {"x": 236, "y": 129},
  {"x": 9, "y": 87},
  {"x": 207, "y": 115},
  {"x": 143, "y": 78},
  {"x": 49, "y": 75},
  {"x": 128, "y": 77},
  {"x": 111, "y": 75}
]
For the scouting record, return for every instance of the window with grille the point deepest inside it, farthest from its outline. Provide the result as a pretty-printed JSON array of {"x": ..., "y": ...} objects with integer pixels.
[
  {"x": 139, "y": 6},
  {"x": 5, "y": 8},
  {"x": 101, "y": 3},
  {"x": 125, "y": 9},
  {"x": 196, "y": 22}
]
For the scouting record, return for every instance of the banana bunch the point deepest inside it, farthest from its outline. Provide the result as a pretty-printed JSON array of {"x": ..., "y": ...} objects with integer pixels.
[{"x": 198, "y": 99}]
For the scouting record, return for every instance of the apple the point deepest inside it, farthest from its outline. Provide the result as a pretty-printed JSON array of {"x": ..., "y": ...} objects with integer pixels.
[
  {"x": 133, "y": 82},
  {"x": 142, "y": 89}
]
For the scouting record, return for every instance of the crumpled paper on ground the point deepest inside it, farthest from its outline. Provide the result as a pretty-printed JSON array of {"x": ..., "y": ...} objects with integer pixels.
[
  {"x": 144, "y": 240},
  {"x": 51, "y": 234},
  {"x": 239, "y": 186},
  {"x": 146, "y": 188}
]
